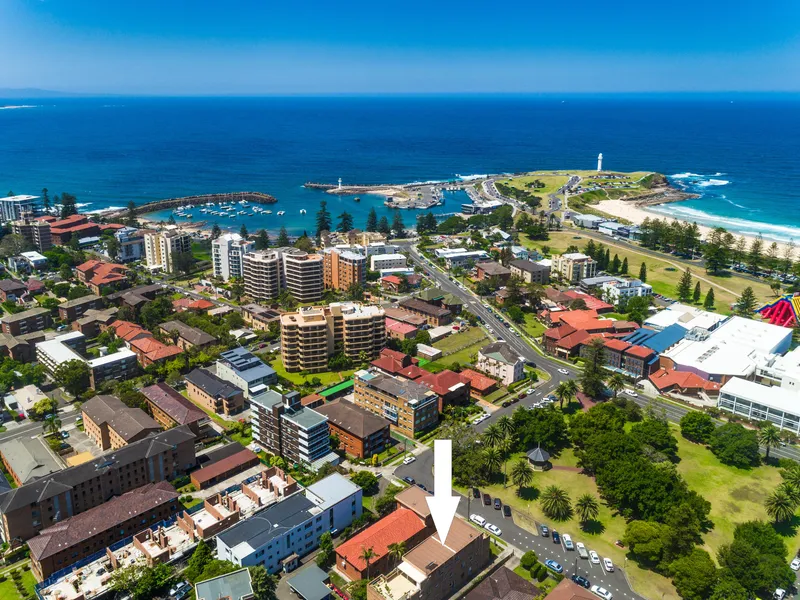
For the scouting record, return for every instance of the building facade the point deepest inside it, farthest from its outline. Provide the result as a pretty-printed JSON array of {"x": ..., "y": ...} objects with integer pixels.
[
  {"x": 75, "y": 309},
  {"x": 246, "y": 371},
  {"x": 13, "y": 208},
  {"x": 130, "y": 243},
  {"x": 530, "y": 272},
  {"x": 361, "y": 433},
  {"x": 109, "y": 423},
  {"x": 313, "y": 334},
  {"x": 213, "y": 393},
  {"x": 343, "y": 268},
  {"x": 268, "y": 272},
  {"x": 161, "y": 247},
  {"x": 499, "y": 360},
  {"x": 227, "y": 255},
  {"x": 379, "y": 262},
  {"x": 574, "y": 267},
  {"x": 36, "y": 233},
  {"x": 409, "y": 407},
  {"x": 27, "y": 321}
]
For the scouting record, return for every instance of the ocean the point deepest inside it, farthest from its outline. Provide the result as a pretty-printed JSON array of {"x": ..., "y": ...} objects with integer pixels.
[{"x": 739, "y": 152}]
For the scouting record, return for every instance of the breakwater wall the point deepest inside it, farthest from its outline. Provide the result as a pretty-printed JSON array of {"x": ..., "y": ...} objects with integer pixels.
[{"x": 156, "y": 205}]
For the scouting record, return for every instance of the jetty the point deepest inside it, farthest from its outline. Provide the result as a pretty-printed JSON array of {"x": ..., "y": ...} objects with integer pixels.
[{"x": 157, "y": 205}]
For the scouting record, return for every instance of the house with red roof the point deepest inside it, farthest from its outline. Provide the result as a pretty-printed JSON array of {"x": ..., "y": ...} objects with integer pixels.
[
  {"x": 392, "y": 362},
  {"x": 410, "y": 523},
  {"x": 630, "y": 360},
  {"x": 100, "y": 276},
  {"x": 184, "y": 304},
  {"x": 399, "y": 330},
  {"x": 480, "y": 385},
  {"x": 62, "y": 230},
  {"x": 685, "y": 383},
  {"x": 573, "y": 329},
  {"x": 592, "y": 303},
  {"x": 148, "y": 349}
]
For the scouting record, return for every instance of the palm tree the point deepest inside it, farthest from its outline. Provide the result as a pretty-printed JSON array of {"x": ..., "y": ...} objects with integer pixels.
[
  {"x": 769, "y": 435},
  {"x": 564, "y": 392},
  {"x": 522, "y": 474},
  {"x": 780, "y": 506},
  {"x": 556, "y": 504},
  {"x": 52, "y": 425},
  {"x": 397, "y": 550},
  {"x": 587, "y": 508},
  {"x": 366, "y": 556},
  {"x": 791, "y": 476},
  {"x": 792, "y": 490},
  {"x": 504, "y": 446},
  {"x": 506, "y": 425},
  {"x": 616, "y": 383},
  {"x": 492, "y": 435},
  {"x": 492, "y": 459}
]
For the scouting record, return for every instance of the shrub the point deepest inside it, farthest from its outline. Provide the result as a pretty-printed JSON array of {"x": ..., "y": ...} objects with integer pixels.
[
  {"x": 529, "y": 560},
  {"x": 2, "y": 578},
  {"x": 542, "y": 573},
  {"x": 26, "y": 567}
]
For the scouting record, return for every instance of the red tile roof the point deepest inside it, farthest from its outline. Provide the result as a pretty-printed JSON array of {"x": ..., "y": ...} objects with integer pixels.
[
  {"x": 479, "y": 382},
  {"x": 413, "y": 372},
  {"x": 139, "y": 338},
  {"x": 115, "y": 226},
  {"x": 102, "y": 273},
  {"x": 664, "y": 379},
  {"x": 129, "y": 331},
  {"x": 398, "y": 526},
  {"x": 221, "y": 467},
  {"x": 392, "y": 279},
  {"x": 404, "y": 328},
  {"x": 640, "y": 351},
  {"x": 592, "y": 303},
  {"x": 617, "y": 344},
  {"x": 442, "y": 382},
  {"x": 393, "y": 361}
]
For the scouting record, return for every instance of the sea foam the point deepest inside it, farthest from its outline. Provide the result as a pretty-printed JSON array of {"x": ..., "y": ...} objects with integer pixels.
[{"x": 769, "y": 231}]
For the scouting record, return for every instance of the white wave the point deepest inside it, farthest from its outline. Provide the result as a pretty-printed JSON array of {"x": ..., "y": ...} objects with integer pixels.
[
  {"x": 718, "y": 174},
  {"x": 82, "y": 204},
  {"x": 103, "y": 210},
  {"x": 711, "y": 182},
  {"x": 769, "y": 231},
  {"x": 14, "y": 107},
  {"x": 685, "y": 175},
  {"x": 470, "y": 177},
  {"x": 731, "y": 202}
]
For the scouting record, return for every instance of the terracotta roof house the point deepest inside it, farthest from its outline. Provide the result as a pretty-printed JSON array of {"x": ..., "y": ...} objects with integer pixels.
[
  {"x": 683, "y": 382},
  {"x": 393, "y": 361},
  {"x": 451, "y": 387},
  {"x": 400, "y": 331},
  {"x": 567, "y": 590},
  {"x": 101, "y": 276},
  {"x": 184, "y": 304},
  {"x": 572, "y": 329},
  {"x": 592, "y": 303},
  {"x": 148, "y": 349},
  {"x": 170, "y": 408},
  {"x": 480, "y": 385}
]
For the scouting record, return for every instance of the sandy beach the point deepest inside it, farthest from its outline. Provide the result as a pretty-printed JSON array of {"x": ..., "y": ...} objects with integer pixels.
[{"x": 636, "y": 214}]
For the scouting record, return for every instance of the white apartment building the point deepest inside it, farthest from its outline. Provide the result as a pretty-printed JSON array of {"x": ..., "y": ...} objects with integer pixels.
[
  {"x": 387, "y": 261},
  {"x": 614, "y": 291},
  {"x": 161, "y": 247},
  {"x": 499, "y": 360},
  {"x": 455, "y": 257},
  {"x": 267, "y": 272},
  {"x": 13, "y": 208},
  {"x": 574, "y": 267},
  {"x": 227, "y": 253}
]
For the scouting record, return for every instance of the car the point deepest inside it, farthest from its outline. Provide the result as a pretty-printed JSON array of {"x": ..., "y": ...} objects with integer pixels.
[
  {"x": 476, "y": 493},
  {"x": 568, "y": 545},
  {"x": 409, "y": 459},
  {"x": 521, "y": 396},
  {"x": 64, "y": 435},
  {"x": 581, "y": 581},
  {"x": 478, "y": 520},
  {"x": 100, "y": 571},
  {"x": 795, "y": 564},
  {"x": 556, "y": 537},
  {"x": 497, "y": 504},
  {"x": 594, "y": 557},
  {"x": 257, "y": 449},
  {"x": 422, "y": 487},
  {"x": 530, "y": 391},
  {"x": 506, "y": 510},
  {"x": 410, "y": 480},
  {"x": 494, "y": 529},
  {"x": 563, "y": 371},
  {"x": 545, "y": 530},
  {"x": 601, "y": 591},
  {"x": 487, "y": 500},
  {"x": 506, "y": 404},
  {"x": 553, "y": 566},
  {"x": 609, "y": 566},
  {"x": 779, "y": 594},
  {"x": 632, "y": 394}
]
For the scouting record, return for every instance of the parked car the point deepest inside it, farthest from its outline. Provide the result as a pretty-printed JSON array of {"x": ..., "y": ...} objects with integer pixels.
[
  {"x": 494, "y": 529},
  {"x": 409, "y": 459},
  {"x": 478, "y": 520},
  {"x": 602, "y": 592},
  {"x": 567, "y": 539},
  {"x": 594, "y": 557},
  {"x": 545, "y": 531},
  {"x": 795, "y": 564},
  {"x": 506, "y": 404},
  {"x": 506, "y": 510},
  {"x": 553, "y": 566},
  {"x": 521, "y": 396},
  {"x": 422, "y": 487},
  {"x": 779, "y": 594},
  {"x": 609, "y": 566},
  {"x": 476, "y": 493},
  {"x": 487, "y": 500},
  {"x": 556, "y": 537},
  {"x": 632, "y": 394},
  {"x": 64, "y": 435},
  {"x": 581, "y": 550},
  {"x": 563, "y": 371},
  {"x": 410, "y": 480},
  {"x": 581, "y": 581},
  {"x": 497, "y": 504}
]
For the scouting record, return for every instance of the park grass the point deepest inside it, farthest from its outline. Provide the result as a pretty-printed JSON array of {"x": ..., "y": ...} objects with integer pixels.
[
  {"x": 552, "y": 182},
  {"x": 327, "y": 378},
  {"x": 532, "y": 326},
  {"x": 8, "y": 591},
  {"x": 458, "y": 348},
  {"x": 456, "y": 341},
  {"x": 527, "y": 511},
  {"x": 663, "y": 274}
]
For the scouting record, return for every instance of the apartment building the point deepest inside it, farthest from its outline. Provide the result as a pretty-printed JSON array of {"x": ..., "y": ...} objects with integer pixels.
[
  {"x": 171, "y": 409},
  {"x": 77, "y": 537},
  {"x": 185, "y": 336},
  {"x": 213, "y": 393},
  {"x": 499, "y": 360},
  {"x": 13, "y": 208},
  {"x": 410, "y": 407},
  {"x": 36, "y": 233},
  {"x": 312, "y": 334},
  {"x": 303, "y": 274},
  {"x": 27, "y": 459},
  {"x": 130, "y": 244},
  {"x": 75, "y": 309},
  {"x": 434, "y": 316},
  {"x": 27, "y": 321},
  {"x": 160, "y": 248},
  {"x": 263, "y": 274},
  {"x": 361, "y": 433},
  {"x": 343, "y": 268},
  {"x": 227, "y": 255},
  {"x": 268, "y": 272},
  {"x": 530, "y": 272},
  {"x": 100, "y": 276},
  {"x": 330, "y": 504},
  {"x": 379, "y": 262},
  {"x": 71, "y": 346},
  {"x": 574, "y": 267},
  {"x": 246, "y": 371},
  {"x": 283, "y": 426},
  {"x": 259, "y": 317},
  {"x": 109, "y": 423},
  {"x": 26, "y": 510}
]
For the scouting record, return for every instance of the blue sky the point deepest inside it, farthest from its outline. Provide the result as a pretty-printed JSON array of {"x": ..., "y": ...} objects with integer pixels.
[{"x": 439, "y": 46}]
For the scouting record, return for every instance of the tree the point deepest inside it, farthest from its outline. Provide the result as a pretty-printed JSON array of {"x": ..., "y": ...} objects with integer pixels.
[
  {"x": 736, "y": 446},
  {"x": 183, "y": 262},
  {"x": 615, "y": 264},
  {"x": 65, "y": 272},
  {"x": 141, "y": 582},
  {"x": 201, "y": 556},
  {"x": 565, "y": 391},
  {"x": 556, "y": 504},
  {"x": 492, "y": 435},
  {"x": 522, "y": 474},
  {"x": 638, "y": 308},
  {"x": 68, "y": 205},
  {"x": 587, "y": 508},
  {"x": 492, "y": 458},
  {"x": 325, "y": 554},
  {"x": 768, "y": 436},
  {"x": 708, "y": 303},
  {"x": 264, "y": 584},
  {"x": 746, "y": 303},
  {"x": 697, "y": 294},
  {"x": 345, "y": 222},
  {"x": 727, "y": 588},
  {"x": 754, "y": 258},
  {"x": 694, "y": 575},
  {"x": 383, "y": 226},
  {"x": 697, "y": 427},
  {"x": 643, "y": 273},
  {"x": 506, "y": 425},
  {"x": 780, "y": 506},
  {"x": 73, "y": 376},
  {"x": 372, "y": 220},
  {"x": 283, "y": 238},
  {"x": 366, "y": 481},
  {"x": 656, "y": 434},
  {"x": 592, "y": 378},
  {"x": 112, "y": 247},
  {"x": 684, "y": 289},
  {"x": 646, "y": 540},
  {"x": 262, "y": 240},
  {"x": 51, "y": 425},
  {"x": 355, "y": 292},
  {"x": 398, "y": 227},
  {"x": 243, "y": 231},
  {"x": 366, "y": 555},
  {"x": 396, "y": 551},
  {"x": 215, "y": 231},
  {"x": 323, "y": 218},
  {"x": 45, "y": 201},
  {"x": 624, "y": 269},
  {"x": 616, "y": 383},
  {"x": 13, "y": 244},
  {"x": 386, "y": 502},
  {"x": 304, "y": 243}
]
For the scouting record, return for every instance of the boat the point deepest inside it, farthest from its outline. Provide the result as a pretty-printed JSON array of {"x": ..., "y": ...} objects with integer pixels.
[
  {"x": 281, "y": 213},
  {"x": 302, "y": 211},
  {"x": 357, "y": 199},
  {"x": 269, "y": 212}
]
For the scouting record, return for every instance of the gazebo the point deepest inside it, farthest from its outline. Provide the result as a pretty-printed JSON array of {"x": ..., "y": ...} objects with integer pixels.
[{"x": 540, "y": 459}]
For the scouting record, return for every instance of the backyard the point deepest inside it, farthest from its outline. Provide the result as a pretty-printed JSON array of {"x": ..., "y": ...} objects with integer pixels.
[
  {"x": 459, "y": 348},
  {"x": 8, "y": 591},
  {"x": 327, "y": 378}
]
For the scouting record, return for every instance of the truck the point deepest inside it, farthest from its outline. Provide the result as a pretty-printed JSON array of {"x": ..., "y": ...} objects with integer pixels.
[{"x": 582, "y": 552}]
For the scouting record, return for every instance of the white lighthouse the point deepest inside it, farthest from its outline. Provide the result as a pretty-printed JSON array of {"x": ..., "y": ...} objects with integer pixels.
[
  {"x": 340, "y": 179},
  {"x": 599, "y": 162}
]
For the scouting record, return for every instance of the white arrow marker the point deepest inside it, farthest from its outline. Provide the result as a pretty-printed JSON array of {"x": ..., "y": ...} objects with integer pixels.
[{"x": 442, "y": 504}]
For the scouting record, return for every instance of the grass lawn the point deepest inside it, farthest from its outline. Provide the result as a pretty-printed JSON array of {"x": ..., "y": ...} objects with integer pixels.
[
  {"x": 194, "y": 502},
  {"x": 327, "y": 378},
  {"x": 532, "y": 326},
  {"x": 243, "y": 439},
  {"x": 8, "y": 591},
  {"x": 457, "y": 341},
  {"x": 551, "y": 182},
  {"x": 601, "y": 537},
  {"x": 496, "y": 395},
  {"x": 662, "y": 275}
]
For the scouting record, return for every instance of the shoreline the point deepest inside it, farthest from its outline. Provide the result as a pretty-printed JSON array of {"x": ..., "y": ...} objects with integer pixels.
[{"x": 636, "y": 213}]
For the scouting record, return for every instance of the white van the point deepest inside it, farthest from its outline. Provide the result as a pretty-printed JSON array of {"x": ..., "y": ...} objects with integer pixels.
[{"x": 478, "y": 520}]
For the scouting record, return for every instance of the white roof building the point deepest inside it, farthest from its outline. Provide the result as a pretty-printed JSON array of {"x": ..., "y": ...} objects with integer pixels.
[
  {"x": 686, "y": 316},
  {"x": 761, "y": 403},
  {"x": 781, "y": 370}
]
